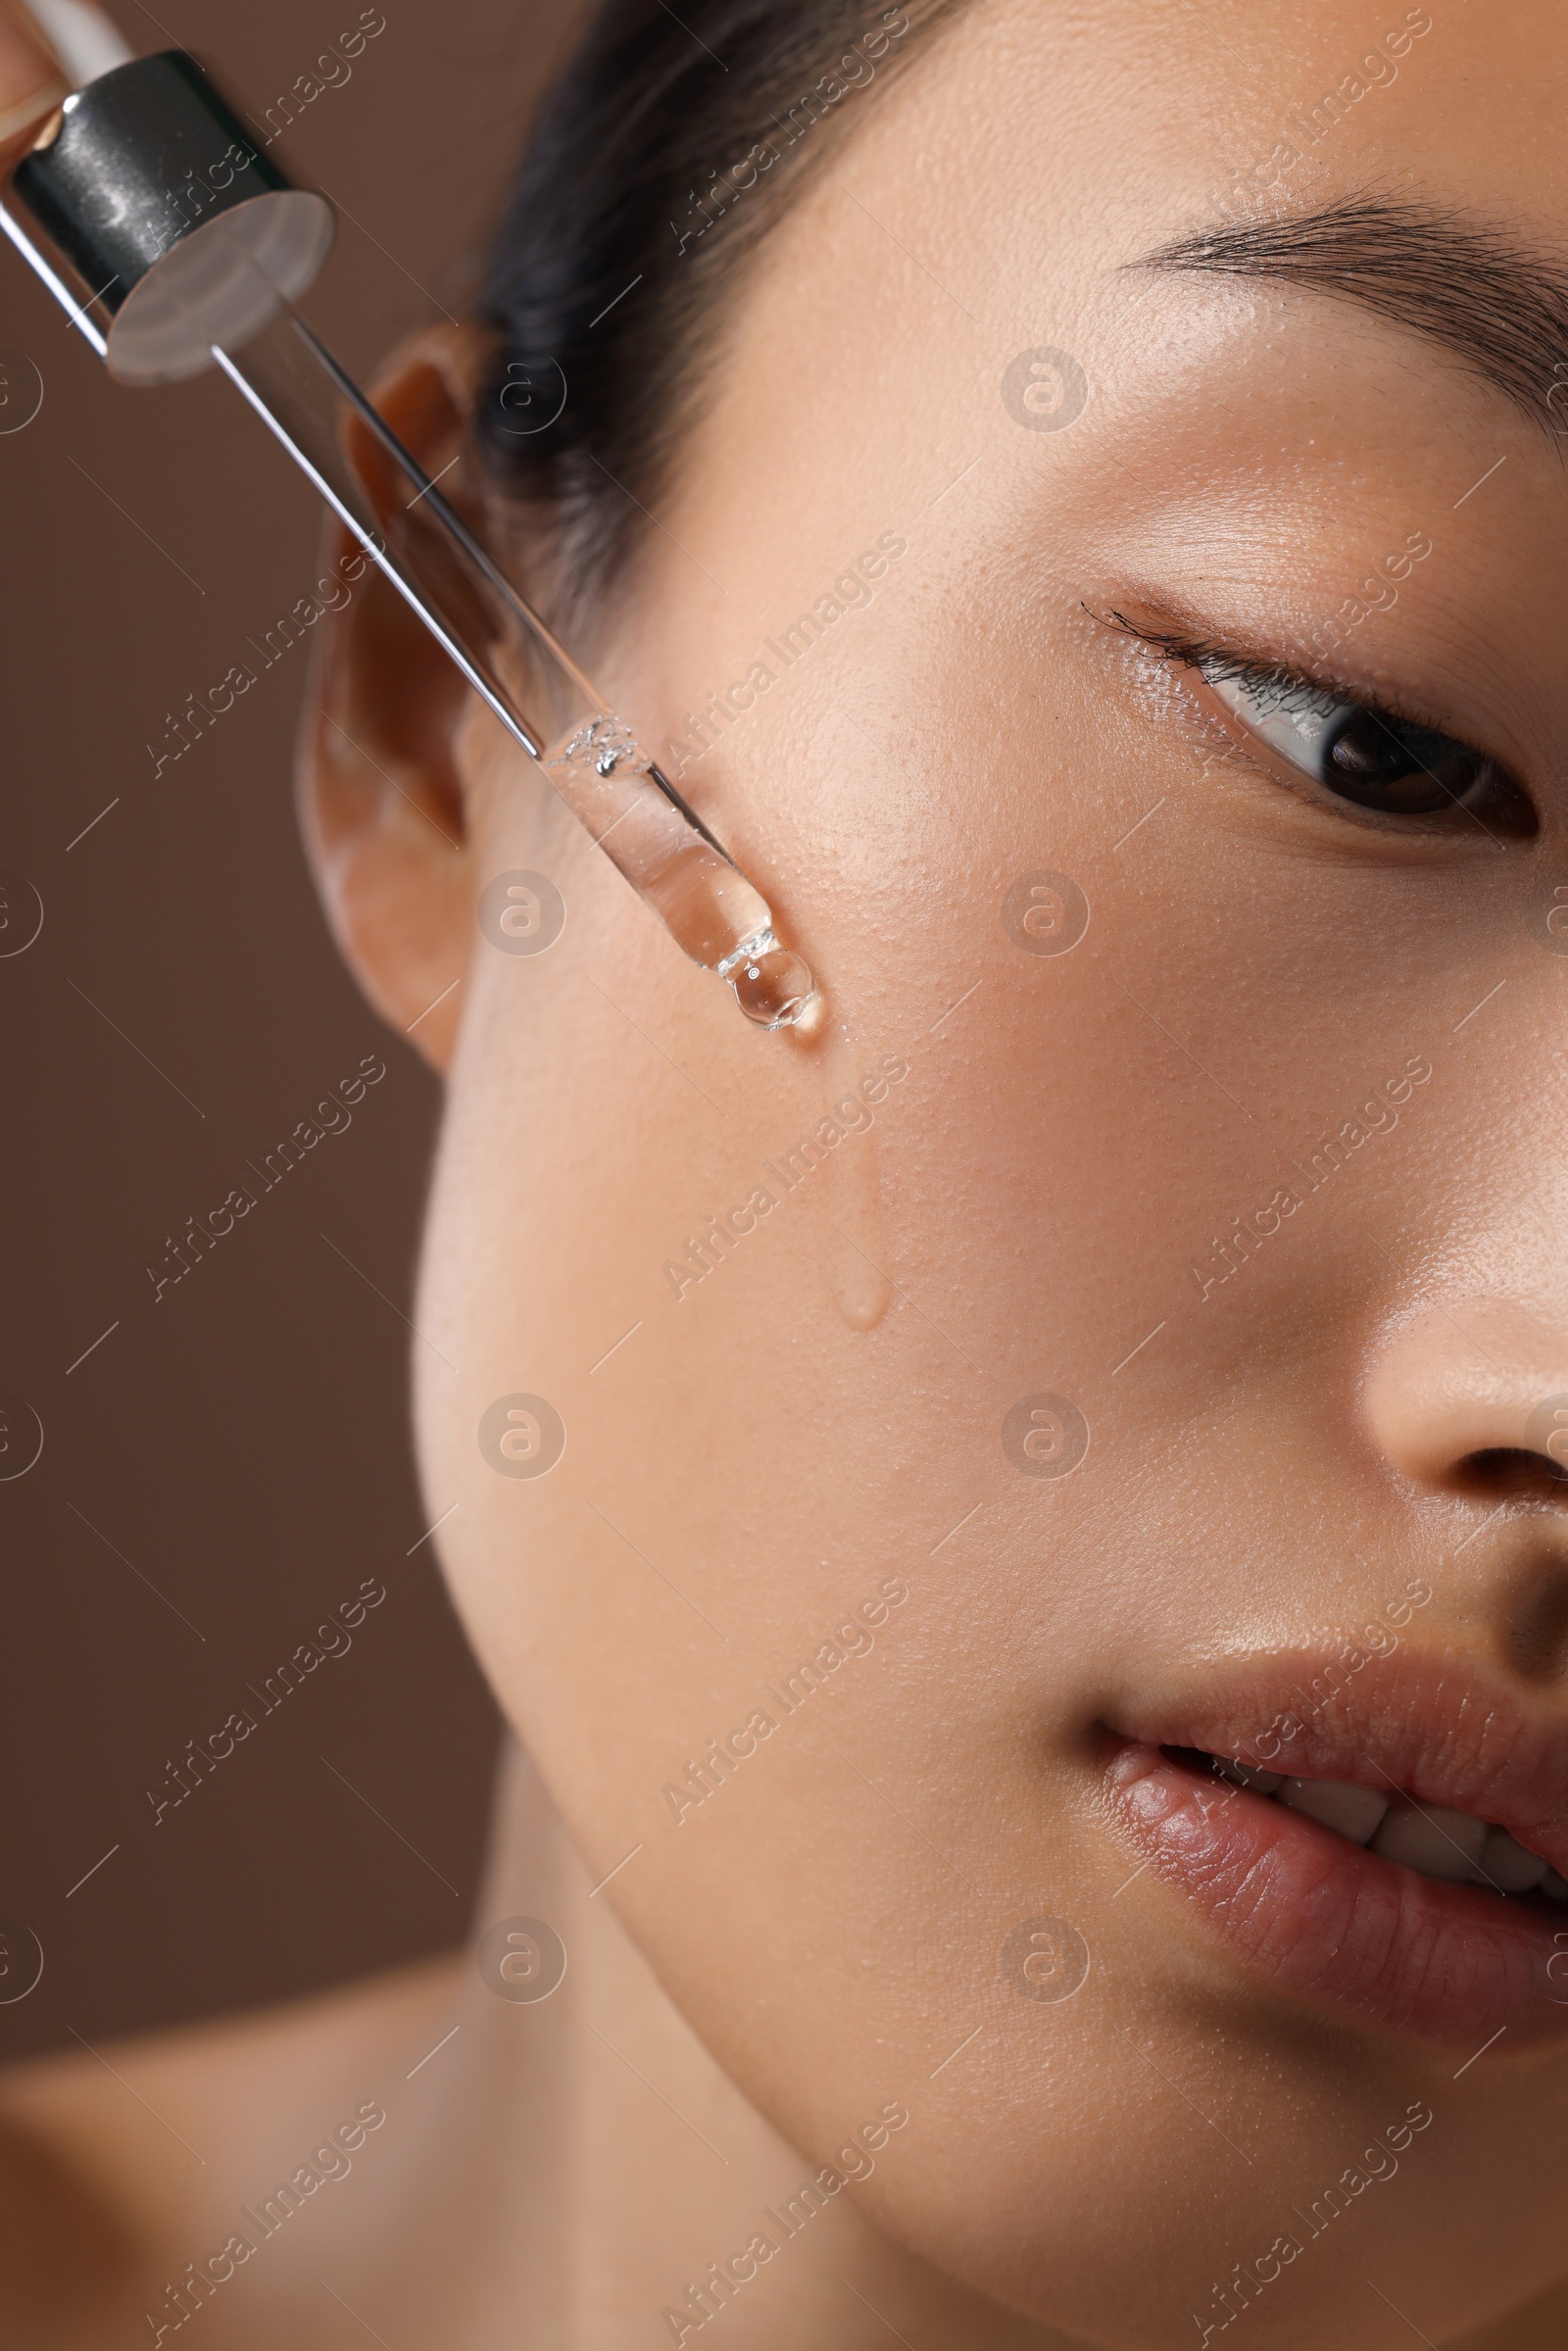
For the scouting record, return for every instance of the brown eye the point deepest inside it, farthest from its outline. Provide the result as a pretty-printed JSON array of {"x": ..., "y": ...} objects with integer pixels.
[
  {"x": 1384, "y": 763},
  {"x": 1405, "y": 771}
]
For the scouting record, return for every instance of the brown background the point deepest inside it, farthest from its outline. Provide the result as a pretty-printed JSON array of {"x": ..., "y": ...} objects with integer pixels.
[{"x": 242, "y": 1444}]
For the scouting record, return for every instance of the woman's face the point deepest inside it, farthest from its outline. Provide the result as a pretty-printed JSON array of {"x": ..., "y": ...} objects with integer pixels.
[{"x": 1125, "y": 1325}]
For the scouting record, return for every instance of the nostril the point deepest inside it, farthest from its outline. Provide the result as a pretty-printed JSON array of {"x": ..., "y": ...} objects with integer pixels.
[{"x": 1508, "y": 1472}]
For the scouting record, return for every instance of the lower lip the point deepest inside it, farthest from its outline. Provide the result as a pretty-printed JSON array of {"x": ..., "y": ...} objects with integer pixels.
[{"x": 1315, "y": 1917}]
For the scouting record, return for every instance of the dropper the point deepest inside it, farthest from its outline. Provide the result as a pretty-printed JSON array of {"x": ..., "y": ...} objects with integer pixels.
[{"x": 191, "y": 249}]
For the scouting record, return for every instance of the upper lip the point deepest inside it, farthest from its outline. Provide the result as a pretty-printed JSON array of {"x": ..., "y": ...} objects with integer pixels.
[{"x": 1420, "y": 1725}]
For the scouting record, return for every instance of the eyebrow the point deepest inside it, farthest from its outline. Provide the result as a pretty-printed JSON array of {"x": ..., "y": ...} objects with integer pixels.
[{"x": 1497, "y": 304}]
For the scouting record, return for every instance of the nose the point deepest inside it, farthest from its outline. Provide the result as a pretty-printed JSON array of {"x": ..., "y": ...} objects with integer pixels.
[{"x": 1471, "y": 1399}]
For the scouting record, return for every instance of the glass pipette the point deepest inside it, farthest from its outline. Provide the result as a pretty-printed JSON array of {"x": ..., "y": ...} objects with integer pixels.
[{"x": 191, "y": 249}]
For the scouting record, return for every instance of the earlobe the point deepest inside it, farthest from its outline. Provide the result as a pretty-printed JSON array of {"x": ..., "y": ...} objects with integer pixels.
[{"x": 380, "y": 789}]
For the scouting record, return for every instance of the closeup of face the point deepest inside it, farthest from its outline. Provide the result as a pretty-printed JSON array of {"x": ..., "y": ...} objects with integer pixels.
[{"x": 1133, "y": 1331}]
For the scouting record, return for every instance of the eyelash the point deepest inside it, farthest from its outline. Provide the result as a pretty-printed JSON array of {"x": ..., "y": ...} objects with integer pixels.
[
  {"x": 1209, "y": 659},
  {"x": 1510, "y": 809}
]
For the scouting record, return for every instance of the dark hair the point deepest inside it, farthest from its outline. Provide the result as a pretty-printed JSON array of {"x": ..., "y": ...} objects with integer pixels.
[{"x": 658, "y": 162}]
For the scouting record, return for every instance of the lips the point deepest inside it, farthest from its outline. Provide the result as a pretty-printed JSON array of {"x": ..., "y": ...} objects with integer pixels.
[{"x": 1307, "y": 1911}]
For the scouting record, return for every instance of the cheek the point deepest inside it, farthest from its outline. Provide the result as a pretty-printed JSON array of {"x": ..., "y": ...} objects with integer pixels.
[
  {"x": 747, "y": 1461},
  {"x": 948, "y": 1354}
]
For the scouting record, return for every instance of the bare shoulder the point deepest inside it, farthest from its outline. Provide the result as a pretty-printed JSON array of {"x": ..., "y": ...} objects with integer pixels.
[{"x": 123, "y": 2170}]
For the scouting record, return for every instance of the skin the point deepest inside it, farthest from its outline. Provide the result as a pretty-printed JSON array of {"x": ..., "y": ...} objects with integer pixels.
[{"x": 1267, "y": 1473}]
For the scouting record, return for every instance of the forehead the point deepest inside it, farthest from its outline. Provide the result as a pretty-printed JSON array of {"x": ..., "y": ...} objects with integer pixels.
[
  {"x": 1033, "y": 149},
  {"x": 1155, "y": 119},
  {"x": 992, "y": 199}
]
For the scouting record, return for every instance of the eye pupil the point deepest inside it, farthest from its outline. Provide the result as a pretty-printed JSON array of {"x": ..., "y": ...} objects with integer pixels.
[
  {"x": 1367, "y": 751},
  {"x": 1404, "y": 770}
]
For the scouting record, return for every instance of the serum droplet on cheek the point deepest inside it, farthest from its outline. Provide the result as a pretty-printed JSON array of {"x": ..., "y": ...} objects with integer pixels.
[{"x": 861, "y": 1289}]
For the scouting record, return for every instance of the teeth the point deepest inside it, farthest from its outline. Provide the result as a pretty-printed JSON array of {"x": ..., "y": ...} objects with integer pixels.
[
  {"x": 1355, "y": 1812},
  {"x": 1425, "y": 1837},
  {"x": 1506, "y": 1864}
]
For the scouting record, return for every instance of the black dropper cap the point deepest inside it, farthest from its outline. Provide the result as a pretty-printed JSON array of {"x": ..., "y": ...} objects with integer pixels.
[{"x": 178, "y": 226}]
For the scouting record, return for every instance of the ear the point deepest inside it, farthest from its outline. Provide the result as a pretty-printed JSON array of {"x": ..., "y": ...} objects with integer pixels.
[{"x": 381, "y": 796}]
